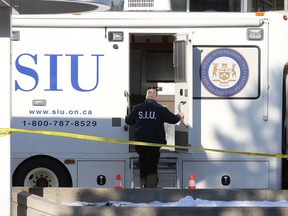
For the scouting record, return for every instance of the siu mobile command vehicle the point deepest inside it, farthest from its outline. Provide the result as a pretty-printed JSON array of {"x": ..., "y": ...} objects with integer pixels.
[{"x": 82, "y": 73}]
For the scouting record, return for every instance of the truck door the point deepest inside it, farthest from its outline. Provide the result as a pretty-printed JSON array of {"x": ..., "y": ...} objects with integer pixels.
[{"x": 182, "y": 61}]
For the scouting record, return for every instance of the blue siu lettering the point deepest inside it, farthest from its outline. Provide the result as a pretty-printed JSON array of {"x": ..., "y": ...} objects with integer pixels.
[{"x": 26, "y": 71}]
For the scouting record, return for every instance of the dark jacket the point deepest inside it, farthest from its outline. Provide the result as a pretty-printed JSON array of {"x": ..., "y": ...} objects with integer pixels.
[{"x": 148, "y": 119}]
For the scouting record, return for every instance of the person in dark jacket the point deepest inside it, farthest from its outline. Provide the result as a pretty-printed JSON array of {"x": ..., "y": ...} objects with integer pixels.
[{"x": 148, "y": 119}]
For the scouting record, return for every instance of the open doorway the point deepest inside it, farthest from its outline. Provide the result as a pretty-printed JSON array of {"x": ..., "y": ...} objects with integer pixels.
[{"x": 151, "y": 66}]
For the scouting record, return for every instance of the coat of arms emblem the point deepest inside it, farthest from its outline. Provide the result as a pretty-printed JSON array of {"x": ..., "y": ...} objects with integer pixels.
[{"x": 224, "y": 72}]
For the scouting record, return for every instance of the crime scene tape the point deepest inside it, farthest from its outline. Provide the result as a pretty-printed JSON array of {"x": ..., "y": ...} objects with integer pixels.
[{"x": 7, "y": 131}]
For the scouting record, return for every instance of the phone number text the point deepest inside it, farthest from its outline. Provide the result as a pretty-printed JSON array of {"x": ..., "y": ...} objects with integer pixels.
[{"x": 46, "y": 123}]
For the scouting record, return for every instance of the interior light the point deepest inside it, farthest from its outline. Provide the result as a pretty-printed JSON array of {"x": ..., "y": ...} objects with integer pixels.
[
  {"x": 115, "y": 36},
  {"x": 255, "y": 34}
]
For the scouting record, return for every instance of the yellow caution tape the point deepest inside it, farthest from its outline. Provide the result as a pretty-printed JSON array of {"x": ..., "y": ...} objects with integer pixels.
[{"x": 7, "y": 131}]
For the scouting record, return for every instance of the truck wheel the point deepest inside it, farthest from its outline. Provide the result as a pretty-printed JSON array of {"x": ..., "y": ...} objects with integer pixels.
[{"x": 42, "y": 171}]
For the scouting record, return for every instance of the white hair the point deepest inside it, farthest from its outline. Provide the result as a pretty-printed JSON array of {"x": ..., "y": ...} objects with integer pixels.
[{"x": 151, "y": 94}]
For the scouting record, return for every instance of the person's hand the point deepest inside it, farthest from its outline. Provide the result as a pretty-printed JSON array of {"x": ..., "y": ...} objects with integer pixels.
[{"x": 181, "y": 114}]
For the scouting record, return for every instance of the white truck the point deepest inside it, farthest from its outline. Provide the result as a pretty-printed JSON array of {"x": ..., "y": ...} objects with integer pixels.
[{"x": 82, "y": 73}]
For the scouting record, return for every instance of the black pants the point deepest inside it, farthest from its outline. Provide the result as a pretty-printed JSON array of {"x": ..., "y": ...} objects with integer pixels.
[{"x": 148, "y": 160}]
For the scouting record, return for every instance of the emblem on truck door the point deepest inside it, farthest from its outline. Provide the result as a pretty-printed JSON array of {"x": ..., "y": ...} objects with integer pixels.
[{"x": 224, "y": 72}]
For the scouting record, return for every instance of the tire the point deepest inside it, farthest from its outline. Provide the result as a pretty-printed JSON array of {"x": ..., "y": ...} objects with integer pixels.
[{"x": 41, "y": 171}]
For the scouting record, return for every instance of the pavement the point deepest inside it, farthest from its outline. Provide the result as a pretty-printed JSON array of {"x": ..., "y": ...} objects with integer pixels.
[{"x": 51, "y": 201}]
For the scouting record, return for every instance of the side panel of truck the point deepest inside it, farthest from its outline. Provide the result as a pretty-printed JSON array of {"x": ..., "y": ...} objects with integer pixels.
[{"x": 71, "y": 80}]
